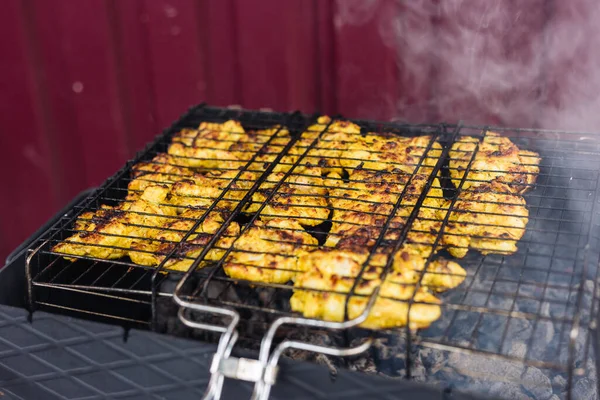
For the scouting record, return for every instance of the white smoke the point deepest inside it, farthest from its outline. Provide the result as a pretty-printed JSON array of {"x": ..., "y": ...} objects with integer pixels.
[{"x": 532, "y": 63}]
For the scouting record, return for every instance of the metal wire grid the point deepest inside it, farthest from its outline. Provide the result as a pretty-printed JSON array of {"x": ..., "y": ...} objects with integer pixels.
[
  {"x": 122, "y": 280},
  {"x": 499, "y": 290},
  {"x": 544, "y": 282},
  {"x": 59, "y": 282}
]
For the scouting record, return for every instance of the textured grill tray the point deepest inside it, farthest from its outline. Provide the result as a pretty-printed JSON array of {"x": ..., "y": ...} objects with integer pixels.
[{"x": 534, "y": 307}]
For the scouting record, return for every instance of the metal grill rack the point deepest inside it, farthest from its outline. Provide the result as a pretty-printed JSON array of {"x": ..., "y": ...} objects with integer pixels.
[{"x": 550, "y": 281}]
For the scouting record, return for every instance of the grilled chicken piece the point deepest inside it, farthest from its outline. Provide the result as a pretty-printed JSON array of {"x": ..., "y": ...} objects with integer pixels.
[
  {"x": 486, "y": 217},
  {"x": 342, "y": 262},
  {"x": 364, "y": 202},
  {"x": 253, "y": 144},
  {"x": 439, "y": 276},
  {"x": 321, "y": 291},
  {"x": 302, "y": 197},
  {"x": 497, "y": 158},
  {"x": 162, "y": 170},
  {"x": 208, "y": 146},
  {"x": 362, "y": 206},
  {"x": 425, "y": 228},
  {"x": 162, "y": 164},
  {"x": 384, "y": 152},
  {"x": 152, "y": 252},
  {"x": 333, "y": 139},
  {"x": 268, "y": 251},
  {"x": 109, "y": 233},
  {"x": 201, "y": 190}
]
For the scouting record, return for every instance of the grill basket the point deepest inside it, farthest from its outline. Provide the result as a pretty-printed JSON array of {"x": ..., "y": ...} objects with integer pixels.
[{"x": 535, "y": 308}]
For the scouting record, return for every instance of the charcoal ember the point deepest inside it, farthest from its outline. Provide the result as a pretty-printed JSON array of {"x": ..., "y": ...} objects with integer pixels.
[
  {"x": 585, "y": 389},
  {"x": 363, "y": 364},
  {"x": 320, "y": 338},
  {"x": 503, "y": 376},
  {"x": 559, "y": 383},
  {"x": 537, "y": 383},
  {"x": 503, "y": 391}
]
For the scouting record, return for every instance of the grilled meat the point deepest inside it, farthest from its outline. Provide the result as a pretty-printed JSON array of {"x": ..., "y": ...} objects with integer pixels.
[
  {"x": 270, "y": 151},
  {"x": 201, "y": 190},
  {"x": 321, "y": 290},
  {"x": 152, "y": 251},
  {"x": 486, "y": 217},
  {"x": 497, "y": 158},
  {"x": 208, "y": 146},
  {"x": 333, "y": 139},
  {"x": 440, "y": 275},
  {"x": 301, "y": 197},
  {"x": 109, "y": 233},
  {"x": 362, "y": 206},
  {"x": 268, "y": 251},
  {"x": 162, "y": 170},
  {"x": 379, "y": 152}
]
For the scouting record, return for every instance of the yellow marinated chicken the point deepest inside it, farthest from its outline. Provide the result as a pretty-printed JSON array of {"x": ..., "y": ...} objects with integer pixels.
[
  {"x": 440, "y": 275},
  {"x": 85, "y": 219},
  {"x": 365, "y": 201},
  {"x": 363, "y": 205},
  {"x": 268, "y": 251},
  {"x": 162, "y": 170},
  {"x": 343, "y": 262},
  {"x": 151, "y": 252},
  {"x": 269, "y": 153},
  {"x": 109, "y": 233},
  {"x": 391, "y": 308},
  {"x": 255, "y": 141},
  {"x": 302, "y": 197},
  {"x": 425, "y": 228},
  {"x": 321, "y": 292},
  {"x": 487, "y": 217},
  {"x": 208, "y": 146},
  {"x": 326, "y": 138},
  {"x": 212, "y": 135},
  {"x": 497, "y": 158},
  {"x": 329, "y": 271},
  {"x": 331, "y": 144},
  {"x": 201, "y": 190},
  {"x": 380, "y": 152},
  {"x": 163, "y": 164}
]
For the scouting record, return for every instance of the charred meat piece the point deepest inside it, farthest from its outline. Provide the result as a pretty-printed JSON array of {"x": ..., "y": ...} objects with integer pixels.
[
  {"x": 496, "y": 158},
  {"x": 152, "y": 251},
  {"x": 208, "y": 146},
  {"x": 334, "y": 139},
  {"x": 162, "y": 170},
  {"x": 322, "y": 289},
  {"x": 202, "y": 190},
  {"x": 384, "y": 152},
  {"x": 301, "y": 197},
  {"x": 362, "y": 206},
  {"x": 268, "y": 251},
  {"x": 488, "y": 217},
  {"x": 110, "y": 232}
]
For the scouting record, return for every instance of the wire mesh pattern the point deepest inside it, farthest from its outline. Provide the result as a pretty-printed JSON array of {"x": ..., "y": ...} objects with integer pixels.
[{"x": 524, "y": 248}]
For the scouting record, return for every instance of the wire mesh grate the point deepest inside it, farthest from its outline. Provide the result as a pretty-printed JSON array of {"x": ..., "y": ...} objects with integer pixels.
[{"x": 528, "y": 242}]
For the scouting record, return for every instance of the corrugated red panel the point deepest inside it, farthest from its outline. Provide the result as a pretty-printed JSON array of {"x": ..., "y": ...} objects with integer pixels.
[{"x": 85, "y": 84}]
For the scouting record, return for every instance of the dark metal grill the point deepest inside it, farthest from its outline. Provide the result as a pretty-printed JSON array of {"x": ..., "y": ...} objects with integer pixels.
[{"x": 550, "y": 281}]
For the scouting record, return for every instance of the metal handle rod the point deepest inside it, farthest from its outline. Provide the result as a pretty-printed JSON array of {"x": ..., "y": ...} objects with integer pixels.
[{"x": 263, "y": 389}]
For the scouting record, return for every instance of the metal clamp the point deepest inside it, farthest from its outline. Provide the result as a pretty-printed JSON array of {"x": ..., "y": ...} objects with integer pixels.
[{"x": 263, "y": 372}]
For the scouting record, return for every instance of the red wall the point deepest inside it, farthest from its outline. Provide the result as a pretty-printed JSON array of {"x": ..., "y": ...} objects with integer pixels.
[{"x": 85, "y": 83}]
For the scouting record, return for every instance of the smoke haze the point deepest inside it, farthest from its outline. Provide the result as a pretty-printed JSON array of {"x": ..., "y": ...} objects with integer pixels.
[{"x": 532, "y": 63}]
